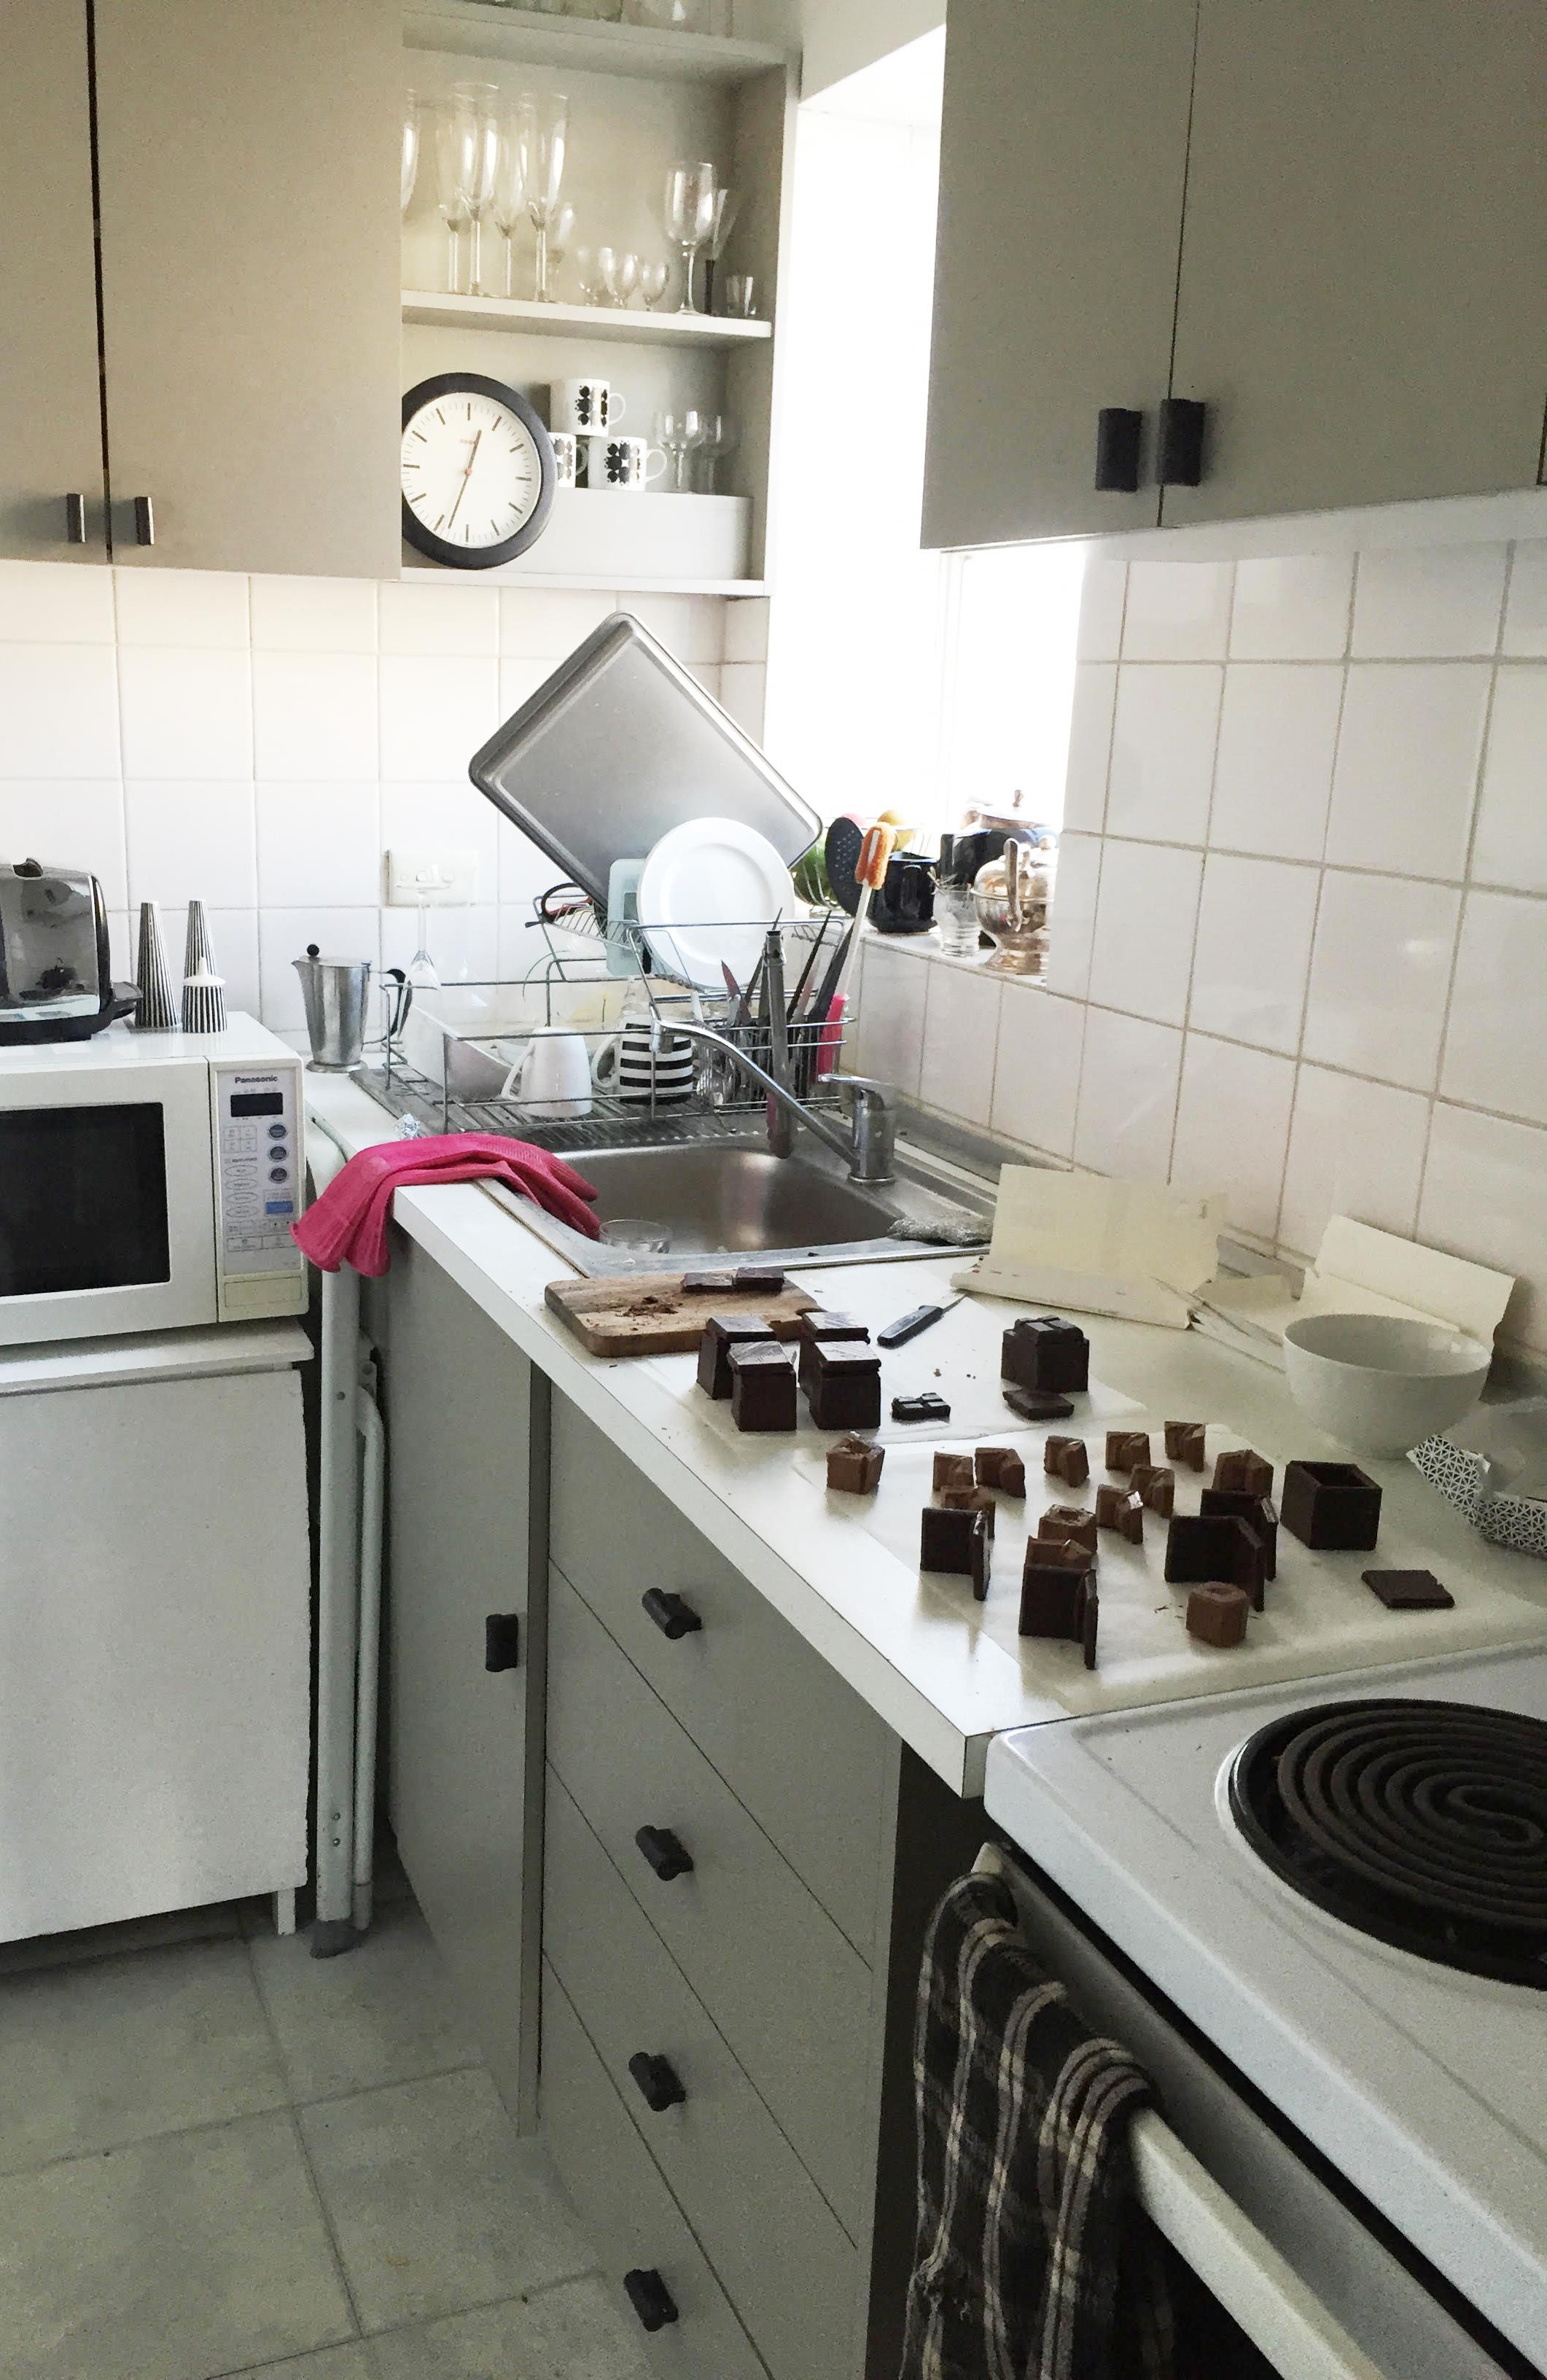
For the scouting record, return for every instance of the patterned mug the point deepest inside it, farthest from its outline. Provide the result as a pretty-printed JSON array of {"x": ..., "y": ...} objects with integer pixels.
[{"x": 624, "y": 462}]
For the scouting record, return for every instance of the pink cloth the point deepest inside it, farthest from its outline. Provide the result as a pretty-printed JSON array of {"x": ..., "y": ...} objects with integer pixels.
[{"x": 348, "y": 1223}]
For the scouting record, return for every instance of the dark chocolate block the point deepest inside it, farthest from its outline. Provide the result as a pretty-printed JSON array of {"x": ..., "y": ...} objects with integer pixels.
[
  {"x": 1216, "y": 1614},
  {"x": 1224, "y": 1503},
  {"x": 927, "y": 1407},
  {"x": 1038, "y": 1404},
  {"x": 1157, "y": 1485},
  {"x": 1242, "y": 1473},
  {"x": 1331, "y": 1506},
  {"x": 1041, "y": 1352},
  {"x": 1126, "y": 1449},
  {"x": 957, "y": 1541},
  {"x": 762, "y": 1387},
  {"x": 855, "y": 1467},
  {"x": 971, "y": 1500},
  {"x": 1067, "y": 1522},
  {"x": 1066, "y": 1459},
  {"x": 1057, "y": 1600},
  {"x": 845, "y": 1386},
  {"x": 1121, "y": 1509},
  {"x": 721, "y": 1333},
  {"x": 1184, "y": 1443},
  {"x": 714, "y": 1285},
  {"x": 952, "y": 1471},
  {"x": 1201, "y": 1549},
  {"x": 760, "y": 1280},
  {"x": 1000, "y": 1467},
  {"x": 1409, "y": 1590},
  {"x": 830, "y": 1330}
]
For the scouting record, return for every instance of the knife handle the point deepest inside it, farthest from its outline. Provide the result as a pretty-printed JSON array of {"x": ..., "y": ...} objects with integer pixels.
[{"x": 908, "y": 1326}]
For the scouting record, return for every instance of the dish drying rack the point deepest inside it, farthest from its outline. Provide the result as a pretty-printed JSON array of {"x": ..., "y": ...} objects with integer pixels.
[{"x": 586, "y": 953}]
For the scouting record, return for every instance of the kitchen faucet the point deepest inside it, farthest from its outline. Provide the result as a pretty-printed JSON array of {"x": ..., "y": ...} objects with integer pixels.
[{"x": 866, "y": 1148}]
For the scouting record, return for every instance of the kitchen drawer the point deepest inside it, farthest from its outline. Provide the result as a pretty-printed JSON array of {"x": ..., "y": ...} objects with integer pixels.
[
  {"x": 635, "y": 2222},
  {"x": 790, "y": 1994},
  {"x": 786, "y": 2263},
  {"x": 794, "y": 1742}
]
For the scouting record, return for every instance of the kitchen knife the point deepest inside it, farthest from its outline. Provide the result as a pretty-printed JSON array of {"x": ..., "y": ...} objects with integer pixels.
[{"x": 909, "y": 1326}]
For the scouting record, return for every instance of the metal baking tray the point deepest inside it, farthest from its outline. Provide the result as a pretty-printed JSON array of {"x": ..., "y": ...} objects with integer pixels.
[{"x": 617, "y": 747}]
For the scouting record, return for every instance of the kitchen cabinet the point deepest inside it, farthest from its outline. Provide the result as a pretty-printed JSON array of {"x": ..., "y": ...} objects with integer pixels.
[
  {"x": 248, "y": 163},
  {"x": 467, "y": 1478},
  {"x": 49, "y": 401},
  {"x": 1063, "y": 156}
]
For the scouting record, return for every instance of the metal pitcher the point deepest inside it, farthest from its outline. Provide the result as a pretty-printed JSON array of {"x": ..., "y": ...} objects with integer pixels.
[{"x": 335, "y": 992}]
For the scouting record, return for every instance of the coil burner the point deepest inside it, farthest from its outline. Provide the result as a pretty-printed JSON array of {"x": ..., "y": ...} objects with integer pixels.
[{"x": 1421, "y": 1823}]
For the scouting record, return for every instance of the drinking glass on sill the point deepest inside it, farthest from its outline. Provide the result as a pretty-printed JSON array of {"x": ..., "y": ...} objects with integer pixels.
[
  {"x": 653, "y": 279},
  {"x": 620, "y": 273},
  {"x": 692, "y": 186},
  {"x": 682, "y": 435},
  {"x": 545, "y": 127},
  {"x": 410, "y": 147}
]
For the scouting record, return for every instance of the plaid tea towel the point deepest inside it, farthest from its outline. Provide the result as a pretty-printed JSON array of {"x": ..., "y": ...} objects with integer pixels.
[{"x": 1034, "y": 2259}]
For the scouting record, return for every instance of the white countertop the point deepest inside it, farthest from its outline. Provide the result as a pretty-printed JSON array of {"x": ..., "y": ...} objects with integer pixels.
[{"x": 900, "y": 1640}]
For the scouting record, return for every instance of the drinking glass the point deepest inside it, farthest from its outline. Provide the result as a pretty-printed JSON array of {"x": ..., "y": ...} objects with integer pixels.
[
  {"x": 560, "y": 231},
  {"x": 721, "y": 437},
  {"x": 508, "y": 206},
  {"x": 482, "y": 100},
  {"x": 588, "y": 278},
  {"x": 691, "y": 191},
  {"x": 675, "y": 16},
  {"x": 744, "y": 295},
  {"x": 728, "y": 206},
  {"x": 545, "y": 122},
  {"x": 653, "y": 279},
  {"x": 620, "y": 273},
  {"x": 682, "y": 435},
  {"x": 456, "y": 143},
  {"x": 410, "y": 147}
]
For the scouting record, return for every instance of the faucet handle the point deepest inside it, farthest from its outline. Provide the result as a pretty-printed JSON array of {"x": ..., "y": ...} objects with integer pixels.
[{"x": 883, "y": 1093}]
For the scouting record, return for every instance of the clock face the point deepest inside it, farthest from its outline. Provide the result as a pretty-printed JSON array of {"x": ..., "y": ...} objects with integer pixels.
[{"x": 477, "y": 471}]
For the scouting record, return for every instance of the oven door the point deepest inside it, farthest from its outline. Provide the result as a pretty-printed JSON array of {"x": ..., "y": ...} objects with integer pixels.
[{"x": 106, "y": 1197}]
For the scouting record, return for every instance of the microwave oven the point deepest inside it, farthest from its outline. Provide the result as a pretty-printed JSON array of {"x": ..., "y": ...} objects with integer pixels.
[{"x": 148, "y": 1182}]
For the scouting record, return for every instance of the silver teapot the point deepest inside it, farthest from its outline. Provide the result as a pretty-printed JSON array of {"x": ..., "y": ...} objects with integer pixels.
[{"x": 1012, "y": 896}]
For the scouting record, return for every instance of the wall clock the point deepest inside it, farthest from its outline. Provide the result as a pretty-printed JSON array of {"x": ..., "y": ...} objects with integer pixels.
[{"x": 477, "y": 471}]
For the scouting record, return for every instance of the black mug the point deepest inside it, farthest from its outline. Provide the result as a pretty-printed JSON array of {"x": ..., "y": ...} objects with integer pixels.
[{"x": 904, "y": 904}]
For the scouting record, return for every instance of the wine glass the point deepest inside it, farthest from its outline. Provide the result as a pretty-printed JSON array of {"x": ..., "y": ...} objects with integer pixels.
[
  {"x": 482, "y": 99},
  {"x": 652, "y": 278},
  {"x": 721, "y": 437},
  {"x": 682, "y": 435},
  {"x": 560, "y": 231},
  {"x": 508, "y": 206},
  {"x": 620, "y": 273},
  {"x": 588, "y": 278},
  {"x": 691, "y": 191},
  {"x": 545, "y": 127},
  {"x": 728, "y": 206},
  {"x": 410, "y": 147},
  {"x": 456, "y": 142}
]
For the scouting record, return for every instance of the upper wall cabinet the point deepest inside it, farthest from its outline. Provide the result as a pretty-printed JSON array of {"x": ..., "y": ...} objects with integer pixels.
[
  {"x": 1062, "y": 165},
  {"x": 1365, "y": 254},
  {"x": 51, "y": 455},
  {"x": 248, "y": 163}
]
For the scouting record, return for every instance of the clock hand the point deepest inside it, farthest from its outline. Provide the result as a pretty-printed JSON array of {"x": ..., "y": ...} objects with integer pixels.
[{"x": 466, "y": 477}]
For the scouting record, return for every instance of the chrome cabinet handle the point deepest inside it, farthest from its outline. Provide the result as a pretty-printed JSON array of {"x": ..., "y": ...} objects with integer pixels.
[
  {"x": 144, "y": 521},
  {"x": 75, "y": 520}
]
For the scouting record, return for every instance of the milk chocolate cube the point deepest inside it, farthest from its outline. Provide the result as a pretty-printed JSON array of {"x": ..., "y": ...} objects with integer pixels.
[
  {"x": 957, "y": 1541},
  {"x": 1070, "y": 1524},
  {"x": 1123, "y": 1510},
  {"x": 1216, "y": 1614},
  {"x": 1157, "y": 1485},
  {"x": 1066, "y": 1459},
  {"x": 1058, "y": 1599},
  {"x": 721, "y": 1333},
  {"x": 971, "y": 1500},
  {"x": 1000, "y": 1467},
  {"x": 845, "y": 1386},
  {"x": 1242, "y": 1473},
  {"x": 1184, "y": 1443},
  {"x": 1127, "y": 1448},
  {"x": 854, "y": 1467},
  {"x": 1255, "y": 1510},
  {"x": 1041, "y": 1352},
  {"x": 1205, "y": 1548},
  {"x": 1331, "y": 1506},
  {"x": 828, "y": 1330},
  {"x": 952, "y": 1471},
  {"x": 762, "y": 1387}
]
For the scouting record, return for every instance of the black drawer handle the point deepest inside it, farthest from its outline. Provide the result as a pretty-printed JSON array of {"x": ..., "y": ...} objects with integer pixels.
[
  {"x": 1180, "y": 453},
  {"x": 656, "y": 2082},
  {"x": 1118, "y": 431},
  {"x": 502, "y": 1640},
  {"x": 671, "y": 1615},
  {"x": 650, "y": 2299},
  {"x": 665, "y": 1853}
]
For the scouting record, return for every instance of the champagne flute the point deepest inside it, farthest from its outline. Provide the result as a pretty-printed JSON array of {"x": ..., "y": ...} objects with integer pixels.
[
  {"x": 508, "y": 206},
  {"x": 456, "y": 140},
  {"x": 691, "y": 189},
  {"x": 483, "y": 173},
  {"x": 728, "y": 207},
  {"x": 544, "y": 121},
  {"x": 410, "y": 147},
  {"x": 653, "y": 279}
]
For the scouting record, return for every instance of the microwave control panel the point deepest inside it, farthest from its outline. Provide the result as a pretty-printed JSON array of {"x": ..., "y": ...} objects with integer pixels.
[{"x": 259, "y": 1167}]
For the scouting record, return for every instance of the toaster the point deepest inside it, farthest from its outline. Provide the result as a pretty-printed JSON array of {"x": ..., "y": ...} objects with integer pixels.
[{"x": 56, "y": 977}]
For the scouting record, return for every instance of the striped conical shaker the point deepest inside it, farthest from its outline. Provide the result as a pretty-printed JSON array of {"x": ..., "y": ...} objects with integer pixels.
[
  {"x": 199, "y": 954},
  {"x": 157, "y": 1012}
]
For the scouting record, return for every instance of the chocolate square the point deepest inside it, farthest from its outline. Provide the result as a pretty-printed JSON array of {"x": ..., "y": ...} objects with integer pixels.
[
  {"x": 1184, "y": 1443},
  {"x": 1038, "y": 1404},
  {"x": 1242, "y": 1473},
  {"x": 721, "y": 1333},
  {"x": 1126, "y": 1449},
  {"x": 955, "y": 1541},
  {"x": 1333, "y": 1507},
  {"x": 1068, "y": 1523},
  {"x": 1121, "y": 1509},
  {"x": 952, "y": 1471},
  {"x": 1216, "y": 1614},
  {"x": 1157, "y": 1485},
  {"x": 709, "y": 1284},
  {"x": 1409, "y": 1590},
  {"x": 1059, "y": 1601},
  {"x": 971, "y": 1500},
  {"x": 762, "y": 1387},
  {"x": 844, "y": 1389},
  {"x": 829, "y": 1330},
  {"x": 1224, "y": 1504},
  {"x": 1066, "y": 1459},
  {"x": 760, "y": 1280},
  {"x": 927, "y": 1407},
  {"x": 1042, "y": 1351},
  {"x": 854, "y": 1467},
  {"x": 1208, "y": 1547},
  {"x": 1000, "y": 1467}
]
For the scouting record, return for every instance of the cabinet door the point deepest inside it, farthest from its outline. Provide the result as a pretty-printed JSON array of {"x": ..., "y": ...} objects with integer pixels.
[
  {"x": 1062, "y": 160},
  {"x": 50, "y": 402},
  {"x": 460, "y": 1416},
  {"x": 1365, "y": 253},
  {"x": 250, "y": 299}
]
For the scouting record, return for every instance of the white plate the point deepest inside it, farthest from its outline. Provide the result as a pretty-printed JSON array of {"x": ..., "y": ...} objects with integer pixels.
[{"x": 709, "y": 893}]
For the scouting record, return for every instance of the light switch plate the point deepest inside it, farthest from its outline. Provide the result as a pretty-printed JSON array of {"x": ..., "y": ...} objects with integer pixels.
[{"x": 432, "y": 879}]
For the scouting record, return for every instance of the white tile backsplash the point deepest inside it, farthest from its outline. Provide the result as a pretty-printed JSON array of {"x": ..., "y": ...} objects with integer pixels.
[
  {"x": 961, "y": 1036},
  {"x": 58, "y": 710},
  {"x": 1163, "y": 745},
  {"x": 186, "y": 714},
  {"x": 191, "y": 843},
  {"x": 1483, "y": 1199},
  {"x": 1421, "y": 603},
  {"x": 1233, "y": 1130},
  {"x": 54, "y": 820},
  {"x": 314, "y": 615},
  {"x": 314, "y": 716},
  {"x": 1510, "y": 843},
  {"x": 1177, "y": 611},
  {"x": 1102, "y": 596},
  {"x": 187, "y": 611},
  {"x": 417, "y": 618},
  {"x": 545, "y": 624},
  {"x": 1036, "y": 1077},
  {"x": 64, "y": 603},
  {"x": 1356, "y": 1148},
  {"x": 320, "y": 842},
  {"x": 1072, "y": 926},
  {"x": 1277, "y": 740},
  {"x": 1406, "y": 776},
  {"x": 1380, "y": 974},
  {"x": 1525, "y": 617},
  {"x": 436, "y": 711},
  {"x": 890, "y": 1035},
  {"x": 1128, "y": 1097},
  {"x": 1495, "y": 1052},
  {"x": 1293, "y": 608},
  {"x": 1090, "y": 745},
  {"x": 1144, "y": 925},
  {"x": 741, "y": 690},
  {"x": 746, "y": 629},
  {"x": 1254, "y": 949}
]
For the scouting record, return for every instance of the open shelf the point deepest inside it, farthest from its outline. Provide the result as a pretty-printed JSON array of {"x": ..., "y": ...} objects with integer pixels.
[
  {"x": 633, "y": 324},
  {"x": 511, "y": 575},
  {"x": 479, "y": 28}
]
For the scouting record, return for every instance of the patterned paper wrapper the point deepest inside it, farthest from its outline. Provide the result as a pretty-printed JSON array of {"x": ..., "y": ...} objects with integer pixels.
[{"x": 1465, "y": 1479}]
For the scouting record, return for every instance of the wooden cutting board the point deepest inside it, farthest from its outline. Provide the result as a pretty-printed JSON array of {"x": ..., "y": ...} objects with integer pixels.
[{"x": 650, "y": 1314}]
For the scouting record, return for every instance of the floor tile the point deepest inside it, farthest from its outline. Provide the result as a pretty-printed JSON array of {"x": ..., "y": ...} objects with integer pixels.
[
  {"x": 219, "y": 1922},
  {"x": 178, "y": 2258},
  {"x": 435, "y": 2204},
  {"x": 329, "y": 2363},
  {"x": 383, "y": 2012},
  {"x": 573, "y": 2333},
  {"x": 94, "y": 2057}
]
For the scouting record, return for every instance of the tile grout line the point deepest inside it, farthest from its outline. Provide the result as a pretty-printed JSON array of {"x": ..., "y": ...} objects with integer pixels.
[{"x": 298, "y": 2136}]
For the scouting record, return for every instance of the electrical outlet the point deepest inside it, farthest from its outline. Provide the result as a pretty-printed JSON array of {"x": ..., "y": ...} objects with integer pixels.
[{"x": 432, "y": 879}]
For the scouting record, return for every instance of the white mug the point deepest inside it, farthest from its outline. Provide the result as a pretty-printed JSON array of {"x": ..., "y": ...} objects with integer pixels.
[
  {"x": 583, "y": 406},
  {"x": 622, "y": 463},
  {"x": 567, "y": 458},
  {"x": 556, "y": 1074}
]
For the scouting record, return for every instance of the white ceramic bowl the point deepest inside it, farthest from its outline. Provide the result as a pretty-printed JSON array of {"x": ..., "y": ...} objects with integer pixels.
[{"x": 1378, "y": 1384}]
